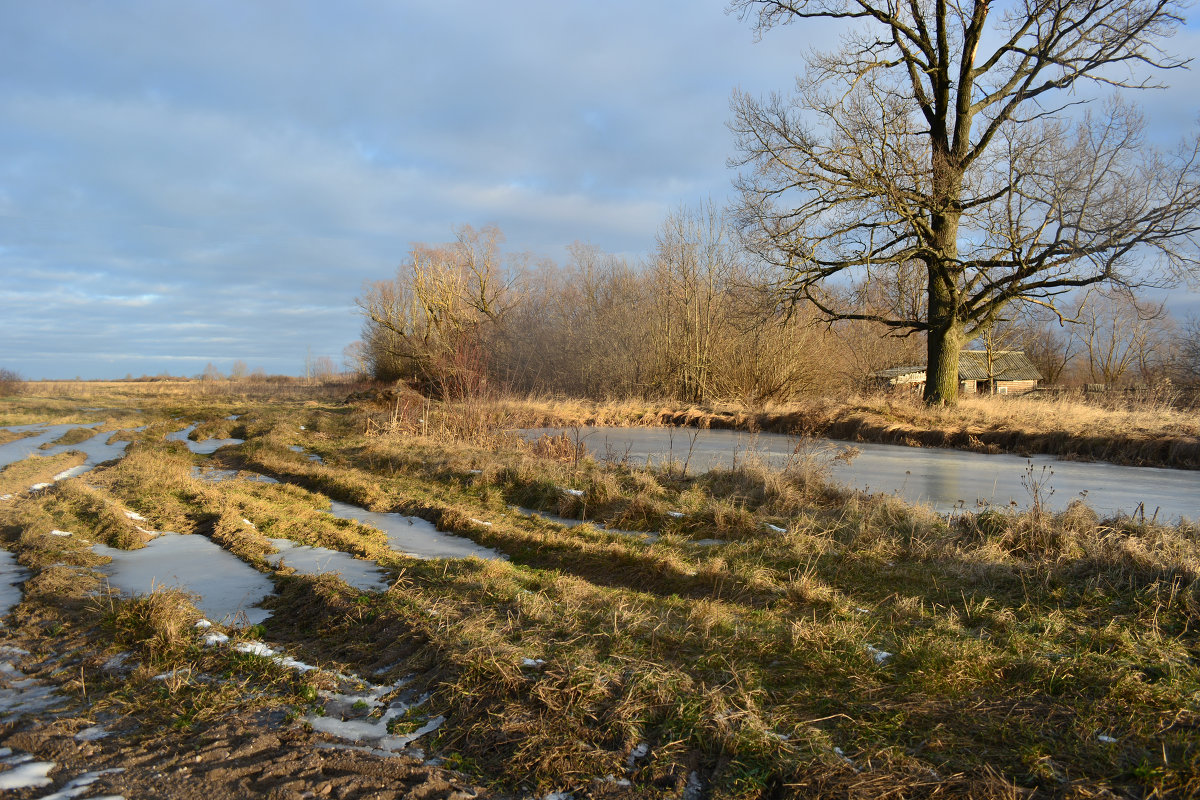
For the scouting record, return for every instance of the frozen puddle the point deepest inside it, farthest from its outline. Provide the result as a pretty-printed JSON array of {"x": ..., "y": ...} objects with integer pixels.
[
  {"x": 214, "y": 475},
  {"x": 414, "y": 536},
  {"x": 228, "y": 588},
  {"x": 20, "y": 694},
  {"x": 362, "y": 575},
  {"x": 295, "y": 448},
  {"x": 96, "y": 450},
  {"x": 204, "y": 448},
  {"x": 11, "y": 578}
]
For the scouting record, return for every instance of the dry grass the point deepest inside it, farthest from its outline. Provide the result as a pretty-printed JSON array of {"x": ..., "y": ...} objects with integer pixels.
[
  {"x": 1016, "y": 639},
  {"x": 21, "y": 475}
]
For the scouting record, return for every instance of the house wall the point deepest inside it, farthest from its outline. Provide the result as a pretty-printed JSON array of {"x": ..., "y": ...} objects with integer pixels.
[{"x": 1016, "y": 387}]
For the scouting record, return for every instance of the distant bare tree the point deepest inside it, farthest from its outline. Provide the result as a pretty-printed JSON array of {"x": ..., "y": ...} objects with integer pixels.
[
  {"x": 1120, "y": 334},
  {"x": 933, "y": 145},
  {"x": 211, "y": 373},
  {"x": 444, "y": 302},
  {"x": 1188, "y": 352},
  {"x": 238, "y": 371},
  {"x": 11, "y": 382}
]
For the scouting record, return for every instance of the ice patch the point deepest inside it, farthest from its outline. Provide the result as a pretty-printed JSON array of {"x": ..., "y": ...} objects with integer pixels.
[
  {"x": 1106, "y": 739},
  {"x": 774, "y": 528},
  {"x": 11, "y": 577},
  {"x": 27, "y": 775},
  {"x": 214, "y": 639},
  {"x": 637, "y": 754},
  {"x": 77, "y": 786},
  {"x": 362, "y": 575},
  {"x": 481, "y": 522},
  {"x": 136, "y": 517},
  {"x": 572, "y": 492},
  {"x": 263, "y": 651},
  {"x": 92, "y": 734},
  {"x": 414, "y": 536},
  {"x": 57, "y": 532},
  {"x": 532, "y": 662},
  {"x": 295, "y": 448},
  {"x": 37, "y": 487},
  {"x": 880, "y": 656},
  {"x": 204, "y": 448},
  {"x": 227, "y": 587},
  {"x": 71, "y": 473}
]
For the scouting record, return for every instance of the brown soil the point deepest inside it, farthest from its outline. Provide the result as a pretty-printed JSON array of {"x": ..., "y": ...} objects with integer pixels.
[
  {"x": 257, "y": 752},
  {"x": 243, "y": 756}
]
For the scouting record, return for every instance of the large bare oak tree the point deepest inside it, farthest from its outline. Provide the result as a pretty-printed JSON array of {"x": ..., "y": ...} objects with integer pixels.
[{"x": 941, "y": 138}]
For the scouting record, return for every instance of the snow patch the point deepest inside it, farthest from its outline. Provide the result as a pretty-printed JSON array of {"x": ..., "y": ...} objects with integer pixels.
[
  {"x": 27, "y": 774},
  {"x": 77, "y": 786},
  {"x": 362, "y": 575},
  {"x": 880, "y": 656}
]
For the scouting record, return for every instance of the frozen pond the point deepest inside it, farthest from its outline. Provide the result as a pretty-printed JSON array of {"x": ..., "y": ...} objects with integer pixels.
[
  {"x": 97, "y": 449},
  {"x": 203, "y": 448},
  {"x": 11, "y": 578},
  {"x": 946, "y": 479},
  {"x": 362, "y": 575},
  {"x": 414, "y": 536},
  {"x": 228, "y": 588}
]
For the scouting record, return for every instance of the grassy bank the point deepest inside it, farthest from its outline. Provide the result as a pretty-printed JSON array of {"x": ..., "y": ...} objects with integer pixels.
[{"x": 780, "y": 637}]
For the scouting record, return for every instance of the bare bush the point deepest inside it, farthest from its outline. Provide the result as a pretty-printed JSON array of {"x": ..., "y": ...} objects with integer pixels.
[{"x": 11, "y": 382}]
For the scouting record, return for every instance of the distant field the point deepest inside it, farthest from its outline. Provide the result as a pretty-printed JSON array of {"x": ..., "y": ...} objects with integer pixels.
[{"x": 746, "y": 633}]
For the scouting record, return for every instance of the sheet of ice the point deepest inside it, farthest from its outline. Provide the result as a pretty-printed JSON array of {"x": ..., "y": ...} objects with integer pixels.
[
  {"x": 77, "y": 786},
  {"x": 203, "y": 448},
  {"x": 11, "y": 577},
  {"x": 227, "y": 587},
  {"x": 20, "y": 695},
  {"x": 96, "y": 450},
  {"x": 212, "y": 475},
  {"x": 880, "y": 656},
  {"x": 26, "y": 775},
  {"x": 295, "y": 448},
  {"x": 363, "y": 575},
  {"x": 43, "y": 433},
  {"x": 414, "y": 536},
  {"x": 947, "y": 479},
  {"x": 92, "y": 734}
]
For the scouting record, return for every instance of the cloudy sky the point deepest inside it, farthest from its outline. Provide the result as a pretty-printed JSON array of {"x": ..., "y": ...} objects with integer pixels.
[{"x": 189, "y": 182}]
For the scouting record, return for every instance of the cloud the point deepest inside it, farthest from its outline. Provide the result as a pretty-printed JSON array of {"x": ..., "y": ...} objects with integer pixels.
[{"x": 190, "y": 182}]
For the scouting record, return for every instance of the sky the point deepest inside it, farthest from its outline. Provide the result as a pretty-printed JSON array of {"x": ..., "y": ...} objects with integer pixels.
[{"x": 186, "y": 182}]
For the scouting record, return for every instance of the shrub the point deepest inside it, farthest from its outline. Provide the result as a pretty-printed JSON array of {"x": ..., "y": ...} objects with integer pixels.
[{"x": 11, "y": 382}]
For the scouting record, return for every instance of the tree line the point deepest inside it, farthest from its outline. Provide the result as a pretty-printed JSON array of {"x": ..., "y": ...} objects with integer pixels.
[{"x": 699, "y": 319}]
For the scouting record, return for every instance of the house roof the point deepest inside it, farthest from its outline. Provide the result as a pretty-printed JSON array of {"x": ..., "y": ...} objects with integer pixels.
[{"x": 1007, "y": 365}]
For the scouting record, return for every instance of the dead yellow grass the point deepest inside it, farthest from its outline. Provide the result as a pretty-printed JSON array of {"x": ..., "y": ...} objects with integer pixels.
[{"x": 21, "y": 475}]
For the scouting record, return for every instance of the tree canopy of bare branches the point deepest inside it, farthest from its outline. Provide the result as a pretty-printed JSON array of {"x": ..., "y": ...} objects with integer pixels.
[{"x": 939, "y": 138}]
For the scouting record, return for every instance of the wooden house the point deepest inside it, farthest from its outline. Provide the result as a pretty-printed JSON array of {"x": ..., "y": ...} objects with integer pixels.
[{"x": 1010, "y": 372}]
